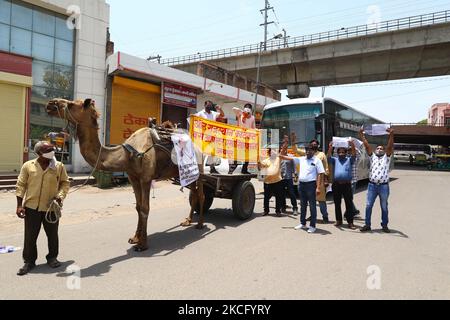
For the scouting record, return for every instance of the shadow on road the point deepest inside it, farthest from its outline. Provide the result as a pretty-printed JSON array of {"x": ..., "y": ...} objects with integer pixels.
[
  {"x": 45, "y": 269},
  {"x": 167, "y": 242}
]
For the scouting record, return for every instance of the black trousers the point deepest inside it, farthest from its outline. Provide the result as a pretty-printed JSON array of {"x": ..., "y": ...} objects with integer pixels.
[
  {"x": 339, "y": 191},
  {"x": 235, "y": 165},
  {"x": 33, "y": 222},
  {"x": 288, "y": 187},
  {"x": 274, "y": 189}
]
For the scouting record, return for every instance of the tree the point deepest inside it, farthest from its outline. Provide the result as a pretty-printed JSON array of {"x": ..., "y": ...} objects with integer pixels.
[{"x": 423, "y": 122}]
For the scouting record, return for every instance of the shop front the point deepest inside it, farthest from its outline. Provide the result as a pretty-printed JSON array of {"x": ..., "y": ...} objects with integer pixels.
[
  {"x": 132, "y": 103},
  {"x": 15, "y": 88},
  {"x": 179, "y": 102}
]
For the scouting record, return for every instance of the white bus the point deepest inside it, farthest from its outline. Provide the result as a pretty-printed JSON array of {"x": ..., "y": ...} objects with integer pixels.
[
  {"x": 320, "y": 119},
  {"x": 407, "y": 152}
]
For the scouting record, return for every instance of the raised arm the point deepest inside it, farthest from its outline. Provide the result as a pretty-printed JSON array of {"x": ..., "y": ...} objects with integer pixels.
[
  {"x": 390, "y": 146},
  {"x": 352, "y": 145},
  {"x": 365, "y": 142},
  {"x": 221, "y": 113},
  {"x": 237, "y": 111},
  {"x": 297, "y": 151},
  {"x": 330, "y": 150},
  {"x": 283, "y": 157}
]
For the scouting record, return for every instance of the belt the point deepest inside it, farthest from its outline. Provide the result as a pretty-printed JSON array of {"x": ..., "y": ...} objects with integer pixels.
[
  {"x": 379, "y": 184},
  {"x": 343, "y": 182},
  {"x": 308, "y": 182}
]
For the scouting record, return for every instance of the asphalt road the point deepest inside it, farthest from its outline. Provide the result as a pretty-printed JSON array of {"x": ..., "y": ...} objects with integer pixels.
[{"x": 263, "y": 258}]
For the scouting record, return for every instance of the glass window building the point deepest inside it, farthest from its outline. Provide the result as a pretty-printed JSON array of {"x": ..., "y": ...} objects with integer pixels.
[{"x": 44, "y": 36}]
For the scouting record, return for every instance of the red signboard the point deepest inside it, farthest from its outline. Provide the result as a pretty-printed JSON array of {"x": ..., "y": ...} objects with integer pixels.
[
  {"x": 179, "y": 96},
  {"x": 16, "y": 64}
]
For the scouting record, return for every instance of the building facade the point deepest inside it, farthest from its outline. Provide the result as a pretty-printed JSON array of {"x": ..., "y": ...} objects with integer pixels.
[
  {"x": 54, "y": 49},
  {"x": 439, "y": 114},
  {"x": 139, "y": 89}
]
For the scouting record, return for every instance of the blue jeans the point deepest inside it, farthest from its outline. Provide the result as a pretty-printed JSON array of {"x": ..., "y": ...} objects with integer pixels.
[
  {"x": 323, "y": 209},
  {"x": 308, "y": 196},
  {"x": 383, "y": 192}
]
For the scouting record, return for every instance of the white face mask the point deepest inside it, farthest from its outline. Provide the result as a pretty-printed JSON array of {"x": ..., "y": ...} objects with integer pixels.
[{"x": 49, "y": 155}]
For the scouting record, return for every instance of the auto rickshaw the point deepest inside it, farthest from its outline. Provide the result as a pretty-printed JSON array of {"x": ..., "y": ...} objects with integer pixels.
[
  {"x": 440, "y": 162},
  {"x": 421, "y": 160}
]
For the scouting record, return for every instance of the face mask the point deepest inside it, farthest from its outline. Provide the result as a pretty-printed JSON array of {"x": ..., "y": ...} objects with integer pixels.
[
  {"x": 49, "y": 155},
  {"x": 380, "y": 153}
]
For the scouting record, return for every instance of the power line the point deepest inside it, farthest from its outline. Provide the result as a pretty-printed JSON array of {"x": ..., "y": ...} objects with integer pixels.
[{"x": 399, "y": 95}]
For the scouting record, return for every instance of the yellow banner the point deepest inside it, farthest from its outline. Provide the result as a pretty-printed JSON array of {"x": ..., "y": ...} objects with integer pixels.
[{"x": 225, "y": 141}]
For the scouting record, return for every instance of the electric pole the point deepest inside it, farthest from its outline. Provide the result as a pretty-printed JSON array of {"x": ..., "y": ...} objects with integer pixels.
[{"x": 266, "y": 23}]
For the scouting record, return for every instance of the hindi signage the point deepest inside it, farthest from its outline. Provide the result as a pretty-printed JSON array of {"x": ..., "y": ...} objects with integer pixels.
[
  {"x": 225, "y": 141},
  {"x": 180, "y": 96}
]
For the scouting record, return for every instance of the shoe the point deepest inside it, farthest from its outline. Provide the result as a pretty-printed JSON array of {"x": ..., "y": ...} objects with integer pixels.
[
  {"x": 27, "y": 267},
  {"x": 338, "y": 224},
  {"x": 311, "y": 230},
  {"x": 230, "y": 173},
  {"x": 366, "y": 229},
  {"x": 54, "y": 264},
  {"x": 245, "y": 172},
  {"x": 278, "y": 214},
  {"x": 326, "y": 220},
  {"x": 284, "y": 210},
  {"x": 300, "y": 226},
  {"x": 266, "y": 213},
  {"x": 213, "y": 171},
  {"x": 295, "y": 213},
  {"x": 356, "y": 213},
  {"x": 308, "y": 219},
  {"x": 386, "y": 229},
  {"x": 351, "y": 226}
]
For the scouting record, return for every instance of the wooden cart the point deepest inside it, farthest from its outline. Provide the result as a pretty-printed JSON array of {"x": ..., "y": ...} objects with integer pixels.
[{"x": 237, "y": 187}]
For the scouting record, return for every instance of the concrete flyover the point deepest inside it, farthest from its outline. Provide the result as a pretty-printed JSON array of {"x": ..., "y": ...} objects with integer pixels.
[
  {"x": 398, "y": 49},
  {"x": 422, "y": 134}
]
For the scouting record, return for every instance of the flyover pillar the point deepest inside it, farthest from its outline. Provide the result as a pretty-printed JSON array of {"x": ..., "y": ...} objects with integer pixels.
[{"x": 300, "y": 90}]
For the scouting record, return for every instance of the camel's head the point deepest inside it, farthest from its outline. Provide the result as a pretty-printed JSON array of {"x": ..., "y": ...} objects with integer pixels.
[{"x": 75, "y": 112}]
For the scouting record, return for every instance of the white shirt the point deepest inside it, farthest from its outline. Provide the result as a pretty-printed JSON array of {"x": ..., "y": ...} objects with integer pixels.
[
  {"x": 209, "y": 116},
  {"x": 310, "y": 169},
  {"x": 379, "y": 169}
]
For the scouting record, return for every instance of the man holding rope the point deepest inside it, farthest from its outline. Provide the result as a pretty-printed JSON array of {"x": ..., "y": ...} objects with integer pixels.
[{"x": 42, "y": 186}]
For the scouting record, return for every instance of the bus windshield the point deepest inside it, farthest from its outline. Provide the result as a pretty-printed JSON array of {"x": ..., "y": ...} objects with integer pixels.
[{"x": 299, "y": 119}]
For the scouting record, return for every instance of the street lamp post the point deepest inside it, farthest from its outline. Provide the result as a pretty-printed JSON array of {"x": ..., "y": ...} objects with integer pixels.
[{"x": 278, "y": 36}]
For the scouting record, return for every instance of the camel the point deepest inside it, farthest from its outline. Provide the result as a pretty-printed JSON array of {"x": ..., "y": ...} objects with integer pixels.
[{"x": 154, "y": 165}]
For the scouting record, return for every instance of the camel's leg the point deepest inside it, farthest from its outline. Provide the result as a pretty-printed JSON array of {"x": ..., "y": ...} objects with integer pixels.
[
  {"x": 201, "y": 201},
  {"x": 143, "y": 214},
  {"x": 138, "y": 195},
  {"x": 188, "y": 220}
]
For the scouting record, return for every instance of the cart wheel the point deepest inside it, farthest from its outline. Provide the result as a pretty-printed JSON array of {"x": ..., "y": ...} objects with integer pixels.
[
  {"x": 209, "y": 198},
  {"x": 244, "y": 200}
]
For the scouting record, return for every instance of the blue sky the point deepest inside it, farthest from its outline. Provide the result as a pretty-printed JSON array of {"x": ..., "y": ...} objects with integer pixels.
[{"x": 174, "y": 28}]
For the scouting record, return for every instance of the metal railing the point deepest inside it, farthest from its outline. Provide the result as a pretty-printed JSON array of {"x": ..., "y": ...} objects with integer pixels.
[
  {"x": 344, "y": 33},
  {"x": 439, "y": 124}
]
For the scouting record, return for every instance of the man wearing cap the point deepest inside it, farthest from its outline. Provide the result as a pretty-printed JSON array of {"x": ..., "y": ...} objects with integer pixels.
[
  {"x": 41, "y": 181},
  {"x": 245, "y": 120}
]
